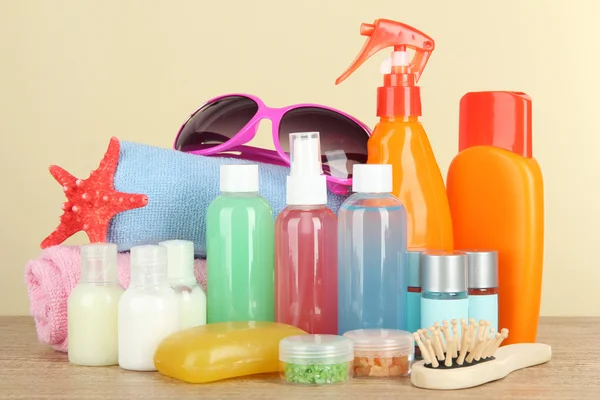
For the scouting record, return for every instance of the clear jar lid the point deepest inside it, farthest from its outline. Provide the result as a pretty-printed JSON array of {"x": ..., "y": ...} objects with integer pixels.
[
  {"x": 316, "y": 348},
  {"x": 382, "y": 341}
]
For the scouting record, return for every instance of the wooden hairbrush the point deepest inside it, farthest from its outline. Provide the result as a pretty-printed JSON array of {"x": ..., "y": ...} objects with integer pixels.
[{"x": 453, "y": 363}]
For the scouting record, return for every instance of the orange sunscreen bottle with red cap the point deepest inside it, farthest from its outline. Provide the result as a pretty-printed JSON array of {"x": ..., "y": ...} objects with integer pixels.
[
  {"x": 496, "y": 196},
  {"x": 399, "y": 138}
]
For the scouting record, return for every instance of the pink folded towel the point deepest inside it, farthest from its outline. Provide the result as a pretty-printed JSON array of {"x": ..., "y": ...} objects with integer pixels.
[{"x": 50, "y": 279}]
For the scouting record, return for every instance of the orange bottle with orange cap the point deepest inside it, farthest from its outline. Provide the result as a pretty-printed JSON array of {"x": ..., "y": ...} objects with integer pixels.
[
  {"x": 399, "y": 138},
  {"x": 496, "y": 195}
]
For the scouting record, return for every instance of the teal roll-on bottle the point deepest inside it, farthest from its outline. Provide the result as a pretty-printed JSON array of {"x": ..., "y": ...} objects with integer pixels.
[{"x": 444, "y": 293}]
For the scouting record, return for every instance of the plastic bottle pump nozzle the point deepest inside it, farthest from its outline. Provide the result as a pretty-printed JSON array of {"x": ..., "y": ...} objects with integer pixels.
[
  {"x": 399, "y": 95},
  {"x": 305, "y": 154},
  {"x": 306, "y": 184}
]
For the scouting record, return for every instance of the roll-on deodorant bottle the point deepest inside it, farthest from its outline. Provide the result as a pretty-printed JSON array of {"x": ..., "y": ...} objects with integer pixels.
[
  {"x": 414, "y": 290},
  {"x": 483, "y": 285},
  {"x": 443, "y": 287}
]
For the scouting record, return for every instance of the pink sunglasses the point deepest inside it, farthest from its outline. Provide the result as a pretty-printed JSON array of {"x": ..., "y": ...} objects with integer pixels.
[{"x": 222, "y": 127}]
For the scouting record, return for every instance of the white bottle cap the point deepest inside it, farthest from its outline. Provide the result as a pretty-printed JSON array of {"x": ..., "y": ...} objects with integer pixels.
[
  {"x": 239, "y": 178},
  {"x": 180, "y": 262},
  {"x": 306, "y": 184},
  {"x": 372, "y": 178},
  {"x": 148, "y": 265},
  {"x": 98, "y": 263}
]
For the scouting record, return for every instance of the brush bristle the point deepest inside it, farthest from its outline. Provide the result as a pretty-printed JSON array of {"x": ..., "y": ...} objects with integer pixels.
[{"x": 442, "y": 348}]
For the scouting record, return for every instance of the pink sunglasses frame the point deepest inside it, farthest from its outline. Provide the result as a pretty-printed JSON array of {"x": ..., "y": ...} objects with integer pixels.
[{"x": 248, "y": 132}]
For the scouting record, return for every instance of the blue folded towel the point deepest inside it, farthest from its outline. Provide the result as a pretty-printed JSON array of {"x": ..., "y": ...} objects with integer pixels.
[{"x": 180, "y": 187}]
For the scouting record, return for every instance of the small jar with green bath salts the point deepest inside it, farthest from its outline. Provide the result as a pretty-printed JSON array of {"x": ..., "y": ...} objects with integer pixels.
[{"x": 316, "y": 359}]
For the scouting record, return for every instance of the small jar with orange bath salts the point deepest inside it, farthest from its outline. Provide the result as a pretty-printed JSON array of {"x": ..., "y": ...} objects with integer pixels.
[{"x": 382, "y": 353}]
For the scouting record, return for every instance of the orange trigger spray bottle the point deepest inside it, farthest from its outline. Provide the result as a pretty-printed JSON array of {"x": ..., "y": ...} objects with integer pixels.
[{"x": 399, "y": 138}]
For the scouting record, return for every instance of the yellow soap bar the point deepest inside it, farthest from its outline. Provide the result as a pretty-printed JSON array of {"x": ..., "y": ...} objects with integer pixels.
[{"x": 222, "y": 350}]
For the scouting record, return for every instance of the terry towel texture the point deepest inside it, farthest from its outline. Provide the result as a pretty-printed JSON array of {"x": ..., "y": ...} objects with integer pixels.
[
  {"x": 180, "y": 187},
  {"x": 50, "y": 279}
]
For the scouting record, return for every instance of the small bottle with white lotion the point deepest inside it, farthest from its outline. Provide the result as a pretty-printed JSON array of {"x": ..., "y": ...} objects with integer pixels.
[
  {"x": 180, "y": 266},
  {"x": 92, "y": 308},
  {"x": 483, "y": 286},
  {"x": 148, "y": 310},
  {"x": 443, "y": 287}
]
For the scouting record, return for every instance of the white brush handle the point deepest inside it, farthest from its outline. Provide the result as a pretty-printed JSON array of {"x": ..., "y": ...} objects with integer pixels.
[{"x": 507, "y": 359}]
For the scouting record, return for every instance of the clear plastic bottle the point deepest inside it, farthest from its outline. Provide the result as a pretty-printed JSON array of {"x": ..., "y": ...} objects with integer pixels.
[
  {"x": 306, "y": 244},
  {"x": 372, "y": 270},
  {"x": 148, "y": 310},
  {"x": 240, "y": 249},
  {"x": 92, "y": 308},
  {"x": 180, "y": 266}
]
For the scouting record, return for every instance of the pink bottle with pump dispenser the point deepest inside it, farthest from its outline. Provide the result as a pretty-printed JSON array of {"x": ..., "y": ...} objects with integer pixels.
[{"x": 306, "y": 244}]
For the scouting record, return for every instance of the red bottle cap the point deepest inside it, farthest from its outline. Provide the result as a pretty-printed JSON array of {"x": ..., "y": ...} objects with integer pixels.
[{"x": 500, "y": 119}]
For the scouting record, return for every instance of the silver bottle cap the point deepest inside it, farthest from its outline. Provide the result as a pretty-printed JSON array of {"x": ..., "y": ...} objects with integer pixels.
[
  {"x": 413, "y": 259},
  {"x": 483, "y": 269},
  {"x": 443, "y": 272}
]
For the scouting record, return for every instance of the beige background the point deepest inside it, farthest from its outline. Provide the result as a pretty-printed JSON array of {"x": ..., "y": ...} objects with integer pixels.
[{"x": 73, "y": 73}]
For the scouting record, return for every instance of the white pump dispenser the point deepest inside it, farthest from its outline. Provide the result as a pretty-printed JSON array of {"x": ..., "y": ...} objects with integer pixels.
[{"x": 306, "y": 184}]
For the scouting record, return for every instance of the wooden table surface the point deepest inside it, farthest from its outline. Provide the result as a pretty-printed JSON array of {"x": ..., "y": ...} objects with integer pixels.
[{"x": 30, "y": 370}]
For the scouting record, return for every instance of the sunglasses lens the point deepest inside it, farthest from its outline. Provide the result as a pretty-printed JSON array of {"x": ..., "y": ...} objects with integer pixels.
[
  {"x": 215, "y": 123},
  {"x": 343, "y": 141}
]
